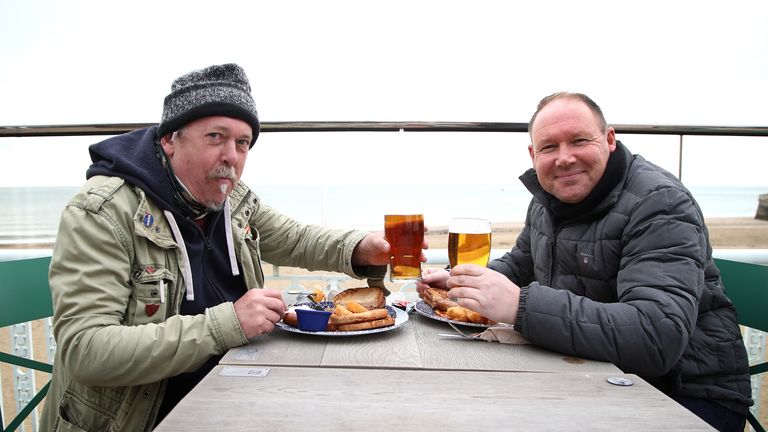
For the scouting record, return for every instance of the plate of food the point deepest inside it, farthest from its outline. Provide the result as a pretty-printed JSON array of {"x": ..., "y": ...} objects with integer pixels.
[
  {"x": 355, "y": 311},
  {"x": 438, "y": 306}
]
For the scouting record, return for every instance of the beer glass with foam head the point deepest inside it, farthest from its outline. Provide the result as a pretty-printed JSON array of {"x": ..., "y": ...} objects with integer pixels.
[
  {"x": 405, "y": 234},
  {"x": 469, "y": 241}
]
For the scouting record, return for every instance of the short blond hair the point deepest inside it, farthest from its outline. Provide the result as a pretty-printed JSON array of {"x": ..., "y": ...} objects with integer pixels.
[{"x": 594, "y": 107}]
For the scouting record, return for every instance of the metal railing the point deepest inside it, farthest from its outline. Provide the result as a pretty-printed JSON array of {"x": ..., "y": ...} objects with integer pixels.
[
  {"x": 392, "y": 126},
  {"x": 382, "y": 126}
]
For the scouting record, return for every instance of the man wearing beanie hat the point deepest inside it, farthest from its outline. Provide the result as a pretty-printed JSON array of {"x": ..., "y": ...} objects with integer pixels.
[
  {"x": 156, "y": 271},
  {"x": 221, "y": 90}
]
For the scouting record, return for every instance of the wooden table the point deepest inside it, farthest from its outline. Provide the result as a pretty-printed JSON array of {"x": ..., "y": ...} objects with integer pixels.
[
  {"x": 341, "y": 399},
  {"x": 414, "y": 345}
]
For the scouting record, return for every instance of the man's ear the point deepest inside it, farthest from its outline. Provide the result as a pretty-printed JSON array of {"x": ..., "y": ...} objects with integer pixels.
[
  {"x": 530, "y": 151},
  {"x": 167, "y": 144},
  {"x": 611, "y": 138}
]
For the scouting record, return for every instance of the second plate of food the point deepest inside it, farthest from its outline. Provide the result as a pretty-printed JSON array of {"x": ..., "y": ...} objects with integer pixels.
[{"x": 427, "y": 311}]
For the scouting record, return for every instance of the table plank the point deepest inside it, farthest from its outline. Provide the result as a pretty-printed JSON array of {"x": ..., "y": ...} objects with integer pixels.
[
  {"x": 441, "y": 353},
  {"x": 276, "y": 349},
  {"x": 333, "y": 399},
  {"x": 414, "y": 345},
  {"x": 393, "y": 349}
]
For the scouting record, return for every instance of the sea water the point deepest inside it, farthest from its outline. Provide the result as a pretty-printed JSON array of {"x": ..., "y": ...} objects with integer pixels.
[{"x": 31, "y": 214}]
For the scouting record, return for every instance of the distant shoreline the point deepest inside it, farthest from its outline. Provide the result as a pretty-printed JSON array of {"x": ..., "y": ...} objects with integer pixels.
[{"x": 724, "y": 232}]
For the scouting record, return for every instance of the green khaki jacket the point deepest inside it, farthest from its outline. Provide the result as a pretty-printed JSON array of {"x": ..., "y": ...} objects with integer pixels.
[{"x": 114, "y": 354}]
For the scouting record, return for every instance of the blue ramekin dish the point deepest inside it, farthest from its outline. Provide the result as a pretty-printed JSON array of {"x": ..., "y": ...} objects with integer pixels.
[{"x": 312, "y": 320}]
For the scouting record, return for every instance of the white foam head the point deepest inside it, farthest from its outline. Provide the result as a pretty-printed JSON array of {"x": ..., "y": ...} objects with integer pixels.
[{"x": 469, "y": 226}]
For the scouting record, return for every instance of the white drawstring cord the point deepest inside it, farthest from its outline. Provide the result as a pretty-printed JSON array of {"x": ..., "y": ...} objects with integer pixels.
[
  {"x": 183, "y": 247},
  {"x": 230, "y": 245}
]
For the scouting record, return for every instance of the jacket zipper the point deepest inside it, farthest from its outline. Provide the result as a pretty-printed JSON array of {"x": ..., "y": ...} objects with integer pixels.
[{"x": 553, "y": 263}]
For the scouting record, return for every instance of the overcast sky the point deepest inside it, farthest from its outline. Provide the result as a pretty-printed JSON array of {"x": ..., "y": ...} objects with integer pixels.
[{"x": 645, "y": 62}]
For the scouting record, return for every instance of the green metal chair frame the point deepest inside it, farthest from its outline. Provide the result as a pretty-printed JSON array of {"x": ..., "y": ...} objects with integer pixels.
[
  {"x": 24, "y": 296},
  {"x": 746, "y": 284}
]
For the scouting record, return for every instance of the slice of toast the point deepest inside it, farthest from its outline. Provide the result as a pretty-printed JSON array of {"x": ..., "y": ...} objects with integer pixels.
[
  {"x": 371, "y": 315},
  {"x": 367, "y": 325},
  {"x": 438, "y": 299},
  {"x": 371, "y": 298}
]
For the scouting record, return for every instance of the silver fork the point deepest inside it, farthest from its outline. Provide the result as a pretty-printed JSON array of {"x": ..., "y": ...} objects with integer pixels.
[{"x": 460, "y": 333}]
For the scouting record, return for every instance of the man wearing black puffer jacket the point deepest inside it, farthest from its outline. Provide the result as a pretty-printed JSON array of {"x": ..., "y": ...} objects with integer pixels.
[{"x": 614, "y": 264}]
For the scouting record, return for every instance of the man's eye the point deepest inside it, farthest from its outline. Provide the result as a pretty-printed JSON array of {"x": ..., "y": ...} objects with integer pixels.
[
  {"x": 244, "y": 143},
  {"x": 214, "y": 135},
  {"x": 546, "y": 149}
]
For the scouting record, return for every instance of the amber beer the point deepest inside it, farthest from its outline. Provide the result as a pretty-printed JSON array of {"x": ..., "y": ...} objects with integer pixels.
[
  {"x": 405, "y": 234},
  {"x": 469, "y": 241}
]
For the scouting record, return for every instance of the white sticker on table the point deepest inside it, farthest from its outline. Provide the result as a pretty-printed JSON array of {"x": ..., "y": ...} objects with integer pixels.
[
  {"x": 246, "y": 354},
  {"x": 240, "y": 371}
]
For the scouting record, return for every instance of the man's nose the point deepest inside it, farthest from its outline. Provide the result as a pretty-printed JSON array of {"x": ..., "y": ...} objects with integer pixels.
[
  {"x": 565, "y": 155},
  {"x": 229, "y": 153}
]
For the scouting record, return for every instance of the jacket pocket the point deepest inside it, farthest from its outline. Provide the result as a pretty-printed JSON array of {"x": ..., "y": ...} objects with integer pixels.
[
  {"x": 65, "y": 426},
  {"x": 75, "y": 414},
  {"x": 151, "y": 295}
]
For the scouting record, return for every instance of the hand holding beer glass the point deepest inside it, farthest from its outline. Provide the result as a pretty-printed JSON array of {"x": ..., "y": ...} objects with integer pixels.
[
  {"x": 405, "y": 234},
  {"x": 469, "y": 241}
]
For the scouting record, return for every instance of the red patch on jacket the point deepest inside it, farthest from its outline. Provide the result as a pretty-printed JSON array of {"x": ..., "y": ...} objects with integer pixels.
[{"x": 151, "y": 308}]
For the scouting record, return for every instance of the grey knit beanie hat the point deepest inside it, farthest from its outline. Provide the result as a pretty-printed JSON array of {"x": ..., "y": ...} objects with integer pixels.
[{"x": 219, "y": 90}]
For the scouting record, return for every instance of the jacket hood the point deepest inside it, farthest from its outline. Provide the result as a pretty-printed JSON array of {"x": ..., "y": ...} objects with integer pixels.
[{"x": 134, "y": 157}]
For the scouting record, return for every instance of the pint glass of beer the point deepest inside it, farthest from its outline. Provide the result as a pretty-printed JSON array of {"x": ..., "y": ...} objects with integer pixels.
[
  {"x": 469, "y": 241},
  {"x": 405, "y": 234}
]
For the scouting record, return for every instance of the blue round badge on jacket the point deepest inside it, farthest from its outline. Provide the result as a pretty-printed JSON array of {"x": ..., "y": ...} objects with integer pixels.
[{"x": 148, "y": 220}]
